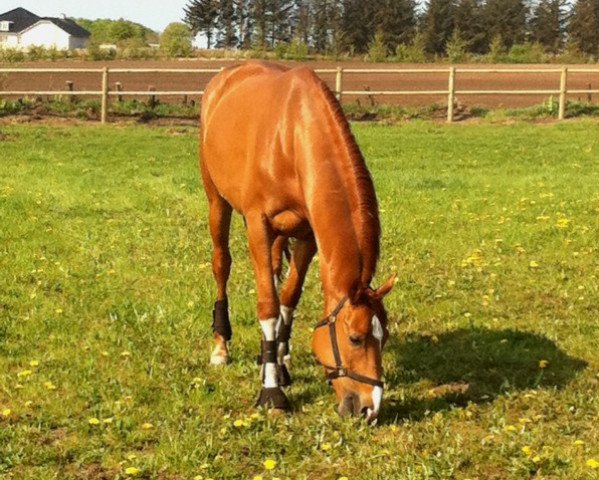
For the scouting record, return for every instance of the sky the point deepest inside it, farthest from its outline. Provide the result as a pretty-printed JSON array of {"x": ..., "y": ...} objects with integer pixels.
[{"x": 155, "y": 14}]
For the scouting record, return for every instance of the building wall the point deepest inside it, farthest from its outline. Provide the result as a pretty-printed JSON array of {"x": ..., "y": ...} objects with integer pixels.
[
  {"x": 46, "y": 34},
  {"x": 8, "y": 40},
  {"x": 77, "y": 42}
]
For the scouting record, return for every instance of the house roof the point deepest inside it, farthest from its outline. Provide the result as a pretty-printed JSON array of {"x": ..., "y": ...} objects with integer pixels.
[{"x": 22, "y": 19}]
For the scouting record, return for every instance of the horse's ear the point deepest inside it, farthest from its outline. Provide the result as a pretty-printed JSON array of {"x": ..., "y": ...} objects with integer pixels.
[{"x": 386, "y": 287}]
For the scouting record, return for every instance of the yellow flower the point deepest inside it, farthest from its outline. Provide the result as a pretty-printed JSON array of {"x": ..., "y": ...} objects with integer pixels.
[
  {"x": 147, "y": 426},
  {"x": 270, "y": 464},
  {"x": 536, "y": 459},
  {"x": 543, "y": 363},
  {"x": 510, "y": 428},
  {"x": 24, "y": 373},
  {"x": 592, "y": 463},
  {"x": 131, "y": 456},
  {"x": 132, "y": 471},
  {"x": 343, "y": 478},
  {"x": 533, "y": 264},
  {"x": 93, "y": 421},
  {"x": 257, "y": 477},
  {"x": 49, "y": 386},
  {"x": 107, "y": 420},
  {"x": 238, "y": 423},
  {"x": 58, "y": 311},
  {"x": 34, "y": 363},
  {"x": 125, "y": 354},
  {"x": 6, "y": 412},
  {"x": 326, "y": 446},
  {"x": 578, "y": 443},
  {"x": 28, "y": 403},
  {"x": 527, "y": 450}
]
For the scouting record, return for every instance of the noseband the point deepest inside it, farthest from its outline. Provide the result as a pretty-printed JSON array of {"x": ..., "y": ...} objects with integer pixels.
[{"x": 339, "y": 370}]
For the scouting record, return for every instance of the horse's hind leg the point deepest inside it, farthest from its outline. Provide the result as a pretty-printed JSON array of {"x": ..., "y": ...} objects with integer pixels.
[{"x": 220, "y": 223}]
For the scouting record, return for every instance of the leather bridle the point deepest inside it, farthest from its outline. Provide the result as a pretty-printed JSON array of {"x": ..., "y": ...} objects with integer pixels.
[{"x": 339, "y": 371}]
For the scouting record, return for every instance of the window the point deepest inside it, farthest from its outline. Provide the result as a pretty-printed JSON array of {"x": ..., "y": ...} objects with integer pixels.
[{"x": 5, "y": 26}]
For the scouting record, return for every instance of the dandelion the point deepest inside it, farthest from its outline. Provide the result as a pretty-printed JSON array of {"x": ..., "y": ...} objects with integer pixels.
[
  {"x": 58, "y": 311},
  {"x": 562, "y": 223},
  {"x": 536, "y": 459},
  {"x": 28, "y": 403},
  {"x": 93, "y": 421},
  {"x": 107, "y": 421},
  {"x": 238, "y": 423},
  {"x": 343, "y": 478},
  {"x": 326, "y": 447},
  {"x": 125, "y": 354},
  {"x": 34, "y": 363},
  {"x": 510, "y": 428},
  {"x": 132, "y": 471},
  {"x": 6, "y": 412},
  {"x": 24, "y": 374},
  {"x": 578, "y": 443},
  {"x": 49, "y": 386},
  {"x": 526, "y": 450},
  {"x": 270, "y": 464},
  {"x": 147, "y": 426},
  {"x": 257, "y": 477},
  {"x": 533, "y": 264},
  {"x": 543, "y": 364},
  {"x": 592, "y": 463}
]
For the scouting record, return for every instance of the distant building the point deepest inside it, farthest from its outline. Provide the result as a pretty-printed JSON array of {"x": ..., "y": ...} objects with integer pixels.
[{"x": 19, "y": 28}]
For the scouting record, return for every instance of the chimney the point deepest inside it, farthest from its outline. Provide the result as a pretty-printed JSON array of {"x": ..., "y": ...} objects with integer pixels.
[{"x": 63, "y": 16}]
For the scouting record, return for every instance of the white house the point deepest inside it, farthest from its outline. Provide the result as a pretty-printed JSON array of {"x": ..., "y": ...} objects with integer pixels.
[{"x": 19, "y": 28}]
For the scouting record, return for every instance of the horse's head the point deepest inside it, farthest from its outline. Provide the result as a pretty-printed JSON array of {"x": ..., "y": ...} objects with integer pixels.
[{"x": 349, "y": 344}]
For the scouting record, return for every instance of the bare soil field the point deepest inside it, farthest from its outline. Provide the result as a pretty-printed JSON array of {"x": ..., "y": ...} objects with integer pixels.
[{"x": 361, "y": 81}]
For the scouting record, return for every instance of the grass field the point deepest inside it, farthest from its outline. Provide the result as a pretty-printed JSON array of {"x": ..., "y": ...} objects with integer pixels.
[{"x": 106, "y": 291}]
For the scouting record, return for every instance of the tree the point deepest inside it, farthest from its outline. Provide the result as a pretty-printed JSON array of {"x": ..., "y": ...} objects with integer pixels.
[
  {"x": 227, "y": 24},
  {"x": 357, "y": 24},
  {"x": 438, "y": 24},
  {"x": 468, "y": 21},
  {"x": 200, "y": 17},
  {"x": 395, "y": 22},
  {"x": 547, "y": 24},
  {"x": 175, "y": 41},
  {"x": 506, "y": 18},
  {"x": 326, "y": 24},
  {"x": 584, "y": 26}
]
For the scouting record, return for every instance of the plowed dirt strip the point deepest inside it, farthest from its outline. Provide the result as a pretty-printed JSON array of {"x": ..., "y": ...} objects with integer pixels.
[{"x": 352, "y": 81}]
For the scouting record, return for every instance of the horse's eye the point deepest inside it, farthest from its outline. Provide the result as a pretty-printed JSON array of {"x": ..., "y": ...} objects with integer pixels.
[{"x": 356, "y": 340}]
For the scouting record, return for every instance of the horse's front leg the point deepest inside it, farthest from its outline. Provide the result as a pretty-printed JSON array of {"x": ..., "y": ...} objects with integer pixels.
[
  {"x": 303, "y": 252},
  {"x": 261, "y": 238}
]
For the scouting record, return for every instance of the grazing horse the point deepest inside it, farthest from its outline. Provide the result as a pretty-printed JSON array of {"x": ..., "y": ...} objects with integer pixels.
[{"x": 276, "y": 147}]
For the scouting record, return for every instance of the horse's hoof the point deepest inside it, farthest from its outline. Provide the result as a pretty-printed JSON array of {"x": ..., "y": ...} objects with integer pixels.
[
  {"x": 220, "y": 358},
  {"x": 273, "y": 398}
]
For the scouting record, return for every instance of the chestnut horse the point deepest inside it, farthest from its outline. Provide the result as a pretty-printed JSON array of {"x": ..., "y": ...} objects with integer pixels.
[{"x": 276, "y": 147}]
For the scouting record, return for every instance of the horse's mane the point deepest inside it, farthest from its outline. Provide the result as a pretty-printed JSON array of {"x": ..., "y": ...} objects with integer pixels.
[{"x": 366, "y": 212}]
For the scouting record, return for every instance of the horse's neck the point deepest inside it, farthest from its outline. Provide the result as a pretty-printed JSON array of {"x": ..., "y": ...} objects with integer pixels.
[{"x": 334, "y": 206}]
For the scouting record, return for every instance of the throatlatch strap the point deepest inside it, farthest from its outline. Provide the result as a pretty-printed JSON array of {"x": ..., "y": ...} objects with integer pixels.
[{"x": 220, "y": 319}]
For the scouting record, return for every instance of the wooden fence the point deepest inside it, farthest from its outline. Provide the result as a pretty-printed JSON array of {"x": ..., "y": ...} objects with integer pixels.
[{"x": 451, "y": 92}]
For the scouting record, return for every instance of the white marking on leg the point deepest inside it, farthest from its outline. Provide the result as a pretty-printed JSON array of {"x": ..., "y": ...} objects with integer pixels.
[
  {"x": 287, "y": 318},
  {"x": 269, "y": 370}
]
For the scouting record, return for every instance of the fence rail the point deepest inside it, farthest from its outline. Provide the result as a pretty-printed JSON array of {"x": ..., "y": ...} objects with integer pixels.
[{"x": 451, "y": 92}]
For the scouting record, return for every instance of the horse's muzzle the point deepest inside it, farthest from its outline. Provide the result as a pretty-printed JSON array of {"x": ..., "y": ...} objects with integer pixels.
[{"x": 351, "y": 405}]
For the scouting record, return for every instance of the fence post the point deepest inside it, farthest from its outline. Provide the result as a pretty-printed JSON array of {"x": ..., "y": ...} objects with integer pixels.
[
  {"x": 70, "y": 98},
  {"x": 563, "y": 89},
  {"x": 104, "y": 95},
  {"x": 152, "y": 99},
  {"x": 119, "y": 88},
  {"x": 451, "y": 94},
  {"x": 339, "y": 84}
]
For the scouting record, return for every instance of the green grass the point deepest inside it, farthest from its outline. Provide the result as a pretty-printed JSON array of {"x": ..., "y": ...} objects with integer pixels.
[{"x": 105, "y": 281}]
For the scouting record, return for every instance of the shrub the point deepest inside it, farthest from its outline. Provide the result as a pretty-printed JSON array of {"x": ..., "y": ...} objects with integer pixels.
[
  {"x": 526, "y": 53},
  {"x": 11, "y": 55},
  {"x": 175, "y": 41},
  {"x": 457, "y": 48},
  {"x": 377, "y": 50},
  {"x": 496, "y": 50},
  {"x": 414, "y": 52}
]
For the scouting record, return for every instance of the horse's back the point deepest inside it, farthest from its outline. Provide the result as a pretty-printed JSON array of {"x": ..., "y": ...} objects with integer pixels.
[{"x": 250, "y": 117}]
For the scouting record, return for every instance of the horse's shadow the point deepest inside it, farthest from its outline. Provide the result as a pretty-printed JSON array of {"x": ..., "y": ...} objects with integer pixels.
[{"x": 430, "y": 373}]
